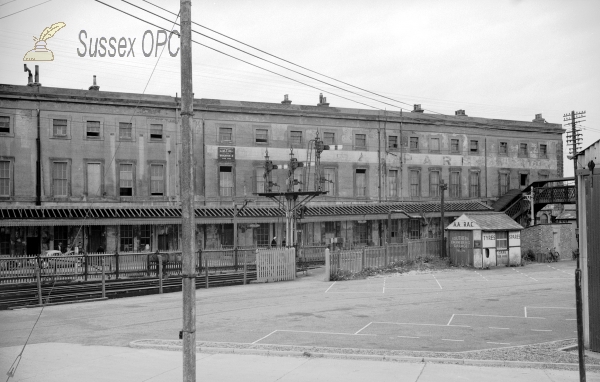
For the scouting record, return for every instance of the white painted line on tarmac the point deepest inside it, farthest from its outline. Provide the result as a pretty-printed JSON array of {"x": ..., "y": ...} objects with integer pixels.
[
  {"x": 549, "y": 307},
  {"x": 451, "y": 318},
  {"x": 482, "y": 276},
  {"x": 494, "y": 315},
  {"x": 436, "y": 280},
  {"x": 413, "y": 288},
  {"x": 541, "y": 330},
  {"x": 493, "y": 327},
  {"x": 383, "y": 285},
  {"x": 571, "y": 319},
  {"x": 498, "y": 343},
  {"x": 330, "y": 286},
  {"x": 260, "y": 339},
  {"x": 363, "y": 328},
  {"x": 410, "y": 323},
  {"x": 525, "y": 311},
  {"x": 524, "y": 274},
  {"x": 407, "y": 337},
  {"x": 445, "y": 339},
  {"x": 333, "y": 333}
]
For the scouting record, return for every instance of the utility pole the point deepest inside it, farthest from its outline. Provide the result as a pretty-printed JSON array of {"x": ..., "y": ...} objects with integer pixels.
[
  {"x": 443, "y": 188},
  {"x": 574, "y": 139},
  {"x": 186, "y": 179}
]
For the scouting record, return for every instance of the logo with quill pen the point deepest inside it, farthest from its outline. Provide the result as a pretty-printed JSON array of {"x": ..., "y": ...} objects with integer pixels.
[{"x": 40, "y": 52}]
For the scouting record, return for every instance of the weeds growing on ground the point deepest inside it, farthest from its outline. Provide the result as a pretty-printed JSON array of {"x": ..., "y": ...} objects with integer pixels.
[{"x": 421, "y": 263}]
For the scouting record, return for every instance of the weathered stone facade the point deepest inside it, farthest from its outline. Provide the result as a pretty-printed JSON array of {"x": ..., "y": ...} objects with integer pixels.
[{"x": 543, "y": 237}]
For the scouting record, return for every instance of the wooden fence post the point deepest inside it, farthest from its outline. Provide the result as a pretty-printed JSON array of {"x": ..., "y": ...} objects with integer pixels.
[
  {"x": 206, "y": 270},
  {"x": 148, "y": 265},
  {"x": 117, "y": 265},
  {"x": 387, "y": 256},
  {"x": 160, "y": 274},
  {"x": 245, "y": 266},
  {"x": 103, "y": 277},
  {"x": 364, "y": 258},
  {"x": 85, "y": 266},
  {"x": 39, "y": 282},
  {"x": 327, "y": 265}
]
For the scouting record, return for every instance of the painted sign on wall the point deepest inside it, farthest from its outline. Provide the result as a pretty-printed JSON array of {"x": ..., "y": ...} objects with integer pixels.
[
  {"x": 489, "y": 239},
  {"x": 514, "y": 239},
  {"x": 226, "y": 154}
]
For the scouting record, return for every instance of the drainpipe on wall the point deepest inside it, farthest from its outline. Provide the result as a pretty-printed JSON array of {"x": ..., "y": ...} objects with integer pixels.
[
  {"x": 38, "y": 167},
  {"x": 485, "y": 161}
]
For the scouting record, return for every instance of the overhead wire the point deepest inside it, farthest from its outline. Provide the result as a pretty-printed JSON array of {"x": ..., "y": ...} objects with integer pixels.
[{"x": 23, "y": 10}]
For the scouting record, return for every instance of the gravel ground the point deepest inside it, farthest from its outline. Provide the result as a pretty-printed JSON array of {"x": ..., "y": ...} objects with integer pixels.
[{"x": 547, "y": 353}]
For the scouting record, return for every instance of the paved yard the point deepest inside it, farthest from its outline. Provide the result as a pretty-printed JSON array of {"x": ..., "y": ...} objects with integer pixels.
[{"x": 454, "y": 310}]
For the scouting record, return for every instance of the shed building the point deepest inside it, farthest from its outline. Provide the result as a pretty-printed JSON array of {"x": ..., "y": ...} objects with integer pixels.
[{"x": 484, "y": 240}]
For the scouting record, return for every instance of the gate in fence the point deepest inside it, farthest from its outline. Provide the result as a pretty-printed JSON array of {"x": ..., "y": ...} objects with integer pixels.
[{"x": 277, "y": 264}]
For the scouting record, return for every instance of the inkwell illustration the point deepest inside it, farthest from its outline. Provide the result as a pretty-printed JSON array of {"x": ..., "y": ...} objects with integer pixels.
[{"x": 40, "y": 52}]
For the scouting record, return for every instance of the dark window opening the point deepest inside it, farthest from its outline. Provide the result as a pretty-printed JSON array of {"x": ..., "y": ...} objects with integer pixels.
[
  {"x": 4, "y": 124},
  {"x": 524, "y": 180},
  {"x": 156, "y": 131},
  {"x": 262, "y": 136},
  {"x": 93, "y": 129}
]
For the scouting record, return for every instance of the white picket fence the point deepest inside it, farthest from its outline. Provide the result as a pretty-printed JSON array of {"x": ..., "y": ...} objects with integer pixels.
[{"x": 277, "y": 264}]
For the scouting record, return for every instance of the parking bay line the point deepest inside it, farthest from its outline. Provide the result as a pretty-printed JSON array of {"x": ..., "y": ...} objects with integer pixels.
[
  {"x": 410, "y": 323},
  {"x": 499, "y": 343},
  {"x": 492, "y": 327},
  {"x": 445, "y": 339},
  {"x": 330, "y": 286}
]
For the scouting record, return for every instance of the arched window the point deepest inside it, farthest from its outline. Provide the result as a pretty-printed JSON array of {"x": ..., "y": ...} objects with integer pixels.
[{"x": 544, "y": 219}]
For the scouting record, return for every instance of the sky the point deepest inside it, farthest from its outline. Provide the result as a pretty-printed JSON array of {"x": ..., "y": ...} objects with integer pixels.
[{"x": 494, "y": 59}]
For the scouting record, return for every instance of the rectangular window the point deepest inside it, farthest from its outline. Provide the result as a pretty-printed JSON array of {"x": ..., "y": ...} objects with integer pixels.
[
  {"x": 474, "y": 184},
  {"x": 262, "y": 136},
  {"x": 157, "y": 179},
  {"x": 4, "y": 124},
  {"x": 145, "y": 237},
  {"x": 360, "y": 181},
  {"x": 329, "y": 138},
  {"x": 455, "y": 184},
  {"x": 392, "y": 142},
  {"x": 329, "y": 181},
  {"x": 504, "y": 183},
  {"x": 543, "y": 151},
  {"x": 454, "y": 146},
  {"x": 524, "y": 180},
  {"x": 260, "y": 179},
  {"x": 126, "y": 180},
  {"x": 414, "y": 143},
  {"x": 434, "y": 183},
  {"x": 126, "y": 238},
  {"x": 415, "y": 183},
  {"x": 360, "y": 141},
  {"x": 125, "y": 130},
  {"x": 61, "y": 238},
  {"x": 93, "y": 129},
  {"x": 361, "y": 233},
  {"x": 392, "y": 182},
  {"x": 5, "y": 178},
  {"x": 503, "y": 148},
  {"x": 474, "y": 146},
  {"x": 414, "y": 229},
  {"x": 4, "y": 243},
  {"x": 59, "y": 127},
  {"x": 60, "y": 179},
  {"x": 226, "y": 181},
  {"x": 156, "y": 131},
  {"x": 434, "y": 145},
  {"x": 94, "y": 180},
  {"x": 523, "y": 152},
  {"x": 225, "y": 134},
  {"x": 501, "y": 240},
  {"x": 262, "y": 235},
  {"x": 296, "y": 138}
]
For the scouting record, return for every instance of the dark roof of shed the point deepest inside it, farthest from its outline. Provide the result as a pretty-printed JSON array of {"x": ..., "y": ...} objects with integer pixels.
[{"x": 494, "y": 221}]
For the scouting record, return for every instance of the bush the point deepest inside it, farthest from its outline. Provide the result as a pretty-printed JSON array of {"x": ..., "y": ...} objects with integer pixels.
[{"x": 528, "y": 257}]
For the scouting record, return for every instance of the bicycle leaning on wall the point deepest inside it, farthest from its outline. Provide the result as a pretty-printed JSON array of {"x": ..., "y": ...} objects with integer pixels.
[{"x": 553, "y": 255}]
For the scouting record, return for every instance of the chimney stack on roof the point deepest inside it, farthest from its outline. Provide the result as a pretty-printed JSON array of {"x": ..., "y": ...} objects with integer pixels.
[
  {"x": 286, "y": 101},
  {"x": 322, "y": 100},
  {"x": 30, "y": 80},
  {"x": 417, "y": 108},
  {"x": 460, "y": 112},
  {"x": 94, "y": 86},
  {"x": 539, "y": 119}
]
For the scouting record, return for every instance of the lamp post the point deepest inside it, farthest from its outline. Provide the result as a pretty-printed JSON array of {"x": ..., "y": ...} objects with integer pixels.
[{"x": 443, "y": 187}]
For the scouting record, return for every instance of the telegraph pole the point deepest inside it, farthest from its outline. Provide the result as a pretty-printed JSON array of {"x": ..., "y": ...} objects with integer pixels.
[
  {"x": 443, "y": 188},
  {"x": 574, "y": 138},
  {"x": 186, "y": 179}
]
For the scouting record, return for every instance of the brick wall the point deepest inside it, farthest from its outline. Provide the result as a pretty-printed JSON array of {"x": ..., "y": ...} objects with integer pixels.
[{"x": 541, "y": 237}]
